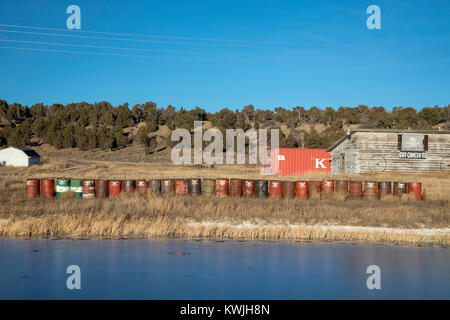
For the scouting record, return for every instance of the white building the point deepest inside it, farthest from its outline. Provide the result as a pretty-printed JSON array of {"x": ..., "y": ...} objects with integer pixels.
[{"x": 19, "y": 157}]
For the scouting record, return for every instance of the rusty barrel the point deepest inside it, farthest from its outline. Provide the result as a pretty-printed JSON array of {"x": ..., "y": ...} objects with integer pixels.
[
  {"x": 62, "y": 185},
  {"x": 101, "y": 188},
  {"x": 400, "y": 188},
  {"x": 209, "y": 187},
  {"x": 88, "y": 188},
  {"x": 370, "y": 190},
  {"x": 47, "y": 188},
  {"x": 115, "y": 187},
  {"x": 415, "y": 189},
  {"x": 301, "y": 190},
  {"x": 248, "y": 188},
  {"x": 314, "y": 189},
  {"x": 32, "y": 188},
  {"x": 168, "y": 187},
  {"x": 155, "y": 186},
  {"x": 195, "y": 187},
  {"x": 384, "y": 189},
  {"x": 129, "y": 186},
  {"x": 355, "y": 189},
  {"x": 76, "y": 186},
  {"x": 341, "y": 186},
  {"x": 327, "y": 188},
  {"x": 181, "y": 187},
  {"x": 141, "y": 187},
  {"x": 275, "y": 190},
  {"x": 222, "y": 187},
  {"x": 261, "y": 189},
  {"x": 236, "y": 188},
  {"x": 288, "y": 189}
]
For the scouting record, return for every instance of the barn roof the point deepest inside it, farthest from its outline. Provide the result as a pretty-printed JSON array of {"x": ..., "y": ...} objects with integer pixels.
[{"x": 29, "y": 152}]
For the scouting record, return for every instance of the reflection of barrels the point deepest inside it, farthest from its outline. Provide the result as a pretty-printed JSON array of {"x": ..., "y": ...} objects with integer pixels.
[
  {"x": 355, "y": 189},
  {"x": 32, "y": 188},
  {"x": 115, "y": 186},
  {"x": 168, "y": 187},
  {"x": 301, "y": 190},
  {"x": 288, "y": 189},
  {"x": 155, "y": 186},
  {"x": 248, "y": 188},
  {"x": 209, "y": 187},
  {"x": 384, "y": 189},
  {"x": 261, "y": 188},
  {"x": 194, "y": 187},
  {"x": 101, "y": 188},
  {"x": 370, "y": 190},
  {"x": 141, "y": 187},
  {"x": 88, "y": 189},
  {"x": 62, "y": 185},
  {"x": 341, "y": 186},
  {"x": 47, "y": 188},
  {"x": 235, "y": 188},
  {"x": 327, "y": 187},
  {"x": 314, "y": 189},
  {"x": 399, "y": 188},
  {"x": 76, "y": 187},
  {"x": 128, "y": 186},
  {"x": 181, "y": 187},
  {"x": 415, "y": 189},
  {"x": 222, "y": 185},
  {"x": 275, "y": 189}
]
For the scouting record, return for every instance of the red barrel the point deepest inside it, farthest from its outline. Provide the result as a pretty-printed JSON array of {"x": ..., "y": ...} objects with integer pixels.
[
  {"x": 384, "y": 189},
  {"x": 314, "y": 189},
  {"x": 248, "y": 188},
  {"x": 288, "y": 189},
  {"x": 195, "y": 187},
  {"x": 327, "y": 187},
  {"x": 235, "y": 188},
  {"x": 47, "y": 188},
  {"x": 88, "y": 188},
  {"x": 168, "y": 187},
  {"x": 222, "y": 187},
  {"x": 400, "y": 188},
  {"x": 341, "y": 186},
  {"x": 115, "y": 186},
  {"x": 355, "y": 189},
  {"x": 141, "y": 187},
  {"x": 301, "y": 190},
  {"x": 275, "y": 190},
  {"x": 32, "y": 188},
  {"x": 101, "y": 188},
  {"x": 181, "y": 187},
  {"x": 370, "y": 190},
  {"x": 415, "y": 189}
]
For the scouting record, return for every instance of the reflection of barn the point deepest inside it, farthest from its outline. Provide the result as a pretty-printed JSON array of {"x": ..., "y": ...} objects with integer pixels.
[{"x": 365, "y": 150}]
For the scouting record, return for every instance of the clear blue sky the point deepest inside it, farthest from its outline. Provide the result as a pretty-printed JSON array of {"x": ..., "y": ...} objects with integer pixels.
[{"x": 302, "y": 53}]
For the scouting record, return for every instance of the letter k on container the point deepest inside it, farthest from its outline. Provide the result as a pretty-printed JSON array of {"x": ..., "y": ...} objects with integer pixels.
[{"x": 287, "y": 162}]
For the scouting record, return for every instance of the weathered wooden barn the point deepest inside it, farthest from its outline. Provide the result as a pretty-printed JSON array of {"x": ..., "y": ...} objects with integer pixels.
[{"x": 379, "y": 150}]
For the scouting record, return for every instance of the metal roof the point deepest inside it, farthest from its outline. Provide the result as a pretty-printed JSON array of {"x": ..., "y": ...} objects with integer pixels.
[{"x": 29, "y": 152}]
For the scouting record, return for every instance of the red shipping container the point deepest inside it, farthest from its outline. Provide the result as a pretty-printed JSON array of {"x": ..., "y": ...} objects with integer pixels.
[{"x": 289, "y": 162}]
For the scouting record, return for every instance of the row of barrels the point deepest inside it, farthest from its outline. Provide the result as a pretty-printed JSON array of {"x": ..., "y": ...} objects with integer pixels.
[{"x": 220, "y": 187}]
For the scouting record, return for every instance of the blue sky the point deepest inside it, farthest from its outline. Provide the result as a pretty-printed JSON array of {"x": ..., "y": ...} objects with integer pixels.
[{"x": 299, "y": 53}]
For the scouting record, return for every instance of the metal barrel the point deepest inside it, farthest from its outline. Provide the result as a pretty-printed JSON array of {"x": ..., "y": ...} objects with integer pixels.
[
  {"x": 222, "y": 187},
  {"x": 32, "y": 188},
  {"x": 47, "y": 188},
  {"x": 400, "y": 188},
  {"x": 327, "y": 188},
  {"x": 261, "y": 189},
  {"x": 384, "y": 189},
  {"x": 301, "y": 190},
  {"x": 101, "y": 188},
  {"x": 181, "y": 187},
  {"x": 209, "y": 187},
  {"x": 155, "y": 186},
  {"x": 314, "y": 189},
  {"x": 341, "y": 186},
  {"x": 415, "y": 189},
  {"x": 115, "y": 187},
  {"x": 355, "y": 189},
  {"x": 88, "y": 188},
  {"x": 168, "y": 187},
  {"x": 288, "y": 189},
  {"x": 195, "y": 187},
  {"x": 236, "y": 188},
  {"x": 248, "y": 188},
  {"x": 370, "y": 190},
  {"x": 275, "y": 190},
  {"x": 62, "y": 185},
  {"x": 141, "y": 187},
  {"x": 129, "y": 186},
  {"x": 76, "y": 187}
]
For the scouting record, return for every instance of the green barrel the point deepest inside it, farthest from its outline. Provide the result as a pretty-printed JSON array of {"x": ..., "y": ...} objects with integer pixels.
[
  {"x": 261, "y": 189},
  {"x": 62, "y": 185},
  {"x": 209, "y": 187},
  {"x": 76, "y": 187}
]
